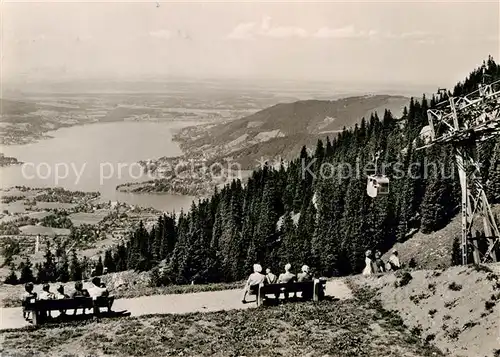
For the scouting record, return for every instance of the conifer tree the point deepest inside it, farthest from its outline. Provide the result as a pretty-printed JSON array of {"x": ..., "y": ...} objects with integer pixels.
[
  {"x": 99, "y": 267},
  {"x": 75, "y": 269},
  {"x": 26, "y": 272},
  {"x": 109, "y": 262},
  {"x": 12, "y": 277},
  {"x": 63, "y": 274},
  {"x": 49, "y": 266}
]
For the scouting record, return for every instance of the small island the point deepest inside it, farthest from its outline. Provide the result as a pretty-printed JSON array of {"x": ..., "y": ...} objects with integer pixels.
[{"x": 8, "y": 161}]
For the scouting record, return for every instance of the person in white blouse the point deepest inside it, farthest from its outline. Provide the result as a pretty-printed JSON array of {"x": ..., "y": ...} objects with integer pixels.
[{"x": 255, "y": 279}]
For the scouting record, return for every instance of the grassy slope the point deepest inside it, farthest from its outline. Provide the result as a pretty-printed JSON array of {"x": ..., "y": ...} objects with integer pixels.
[
  {"x": 348, "y": 328},
  {"x": 433, "y": 251},
  {"x": 457, "y": 308}
]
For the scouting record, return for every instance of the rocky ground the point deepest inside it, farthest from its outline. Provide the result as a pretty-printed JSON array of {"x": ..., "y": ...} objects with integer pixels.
[{"x": 456, "y": 309}]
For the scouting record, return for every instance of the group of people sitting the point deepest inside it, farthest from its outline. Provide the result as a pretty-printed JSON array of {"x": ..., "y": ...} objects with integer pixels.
[
  {"x": 257, "y": 278},
  {"x": 375, "y": 264},
  {"x": 96, "y": 290}
]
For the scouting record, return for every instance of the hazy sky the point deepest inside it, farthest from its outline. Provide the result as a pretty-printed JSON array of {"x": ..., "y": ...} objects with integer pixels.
[{"x": 424, "y": 42}]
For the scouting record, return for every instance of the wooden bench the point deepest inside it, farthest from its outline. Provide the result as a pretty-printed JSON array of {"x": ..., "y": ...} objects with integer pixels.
[
  {"x": 310, "y": 290},
  {"x": 39, "y": 308}
]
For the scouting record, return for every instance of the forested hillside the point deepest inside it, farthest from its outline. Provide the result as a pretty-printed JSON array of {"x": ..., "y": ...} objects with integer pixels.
[
  {"x": 220, "y": 238},
  {"x": 282, "y": 129}
]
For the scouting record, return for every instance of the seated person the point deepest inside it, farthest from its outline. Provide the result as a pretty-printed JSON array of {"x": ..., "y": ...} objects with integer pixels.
[
  {"x": 287, "y": 277},
  {"x": 255, "y": 279},
  {"x": 59, "y": 295},
  {"x": 394, "y": 261},
  {"x": 28, "y": 296},
  {"x": 79, "y": 293},
  {"x": 46, "y": 294},
  {"x": 79, "y": 290},
  {"x": 270, "y": 277},
  {"x": 304, "y": 275},
  {"x": 97, "y": 290}
]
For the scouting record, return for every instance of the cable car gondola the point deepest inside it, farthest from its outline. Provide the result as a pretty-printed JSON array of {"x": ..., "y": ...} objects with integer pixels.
[{"x": 377, "y": 184}]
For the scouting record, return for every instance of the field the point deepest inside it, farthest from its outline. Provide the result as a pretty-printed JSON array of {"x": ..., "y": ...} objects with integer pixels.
[{"x": 331, "y": 328}]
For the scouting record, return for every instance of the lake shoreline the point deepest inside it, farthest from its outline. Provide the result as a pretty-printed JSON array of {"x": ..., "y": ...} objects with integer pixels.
[{"x": 128, "y": 148}]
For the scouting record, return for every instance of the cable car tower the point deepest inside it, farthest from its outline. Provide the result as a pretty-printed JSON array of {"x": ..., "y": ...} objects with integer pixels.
[{"x": 465, "y": 122}]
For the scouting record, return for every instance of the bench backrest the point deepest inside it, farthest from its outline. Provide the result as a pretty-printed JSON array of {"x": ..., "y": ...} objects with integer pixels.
[
  {"x": 74, "y": 303},
  {"x": 289, "y": 287}
]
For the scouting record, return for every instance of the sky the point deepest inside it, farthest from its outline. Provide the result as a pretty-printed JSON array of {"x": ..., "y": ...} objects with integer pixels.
[{"x": 418, "y": 43}]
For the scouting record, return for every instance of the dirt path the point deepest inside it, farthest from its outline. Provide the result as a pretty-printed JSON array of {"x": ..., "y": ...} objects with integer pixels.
[{"x": 176, "y": 303}]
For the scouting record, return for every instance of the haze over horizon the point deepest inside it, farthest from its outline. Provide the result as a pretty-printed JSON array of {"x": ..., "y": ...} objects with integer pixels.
[{"x": 421, "y": 45}]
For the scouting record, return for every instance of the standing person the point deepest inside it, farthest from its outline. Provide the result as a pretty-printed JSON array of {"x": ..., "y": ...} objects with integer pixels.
[
  {"x": 394, "y": 260},
  {"x": 28, "y": 296},
  {"x": 270, "y": 277},
  {"x": 379, "y": 263},
  {"x": 255, "y": 279},
  {"x": 368, "y": 262}
]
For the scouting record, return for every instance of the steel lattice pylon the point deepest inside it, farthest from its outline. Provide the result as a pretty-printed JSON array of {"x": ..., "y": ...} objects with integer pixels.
[{"x": 464, "y": 122}]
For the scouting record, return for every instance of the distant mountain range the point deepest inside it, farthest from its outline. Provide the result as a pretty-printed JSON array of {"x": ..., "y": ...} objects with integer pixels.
[{"x": 282, "y": 129}]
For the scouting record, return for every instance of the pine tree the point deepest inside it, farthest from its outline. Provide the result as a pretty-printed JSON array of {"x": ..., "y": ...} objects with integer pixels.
[
  {"x": 48, "y": 272},
  {"x": 99, "y": 267},
  {"x": 109, "y": 262},
  {"x": 75, "y": 269},
  {"x": 63, "y": 269},
  {"x": 12, "y": 277},
  {"x": 26, "y": 272}
]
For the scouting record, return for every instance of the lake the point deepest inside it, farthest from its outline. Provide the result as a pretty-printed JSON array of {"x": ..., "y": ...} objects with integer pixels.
[{"x": 97, "y": 157}]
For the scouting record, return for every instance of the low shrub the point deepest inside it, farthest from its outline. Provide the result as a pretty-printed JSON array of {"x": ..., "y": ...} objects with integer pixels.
[
  {"x": 482, "y": 268},
  {"x": 454, "y": 333},
  {"x": 404, "y": 279},
  {"x": 454, "y": 286},
  {"x": 431, "y": 337},
  {"x": 489, "y": 305},
  {"x": 469, "y": 324}
]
